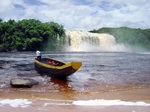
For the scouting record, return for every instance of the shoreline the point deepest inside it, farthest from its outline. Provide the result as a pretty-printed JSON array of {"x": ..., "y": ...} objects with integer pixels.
[
  {"x": 57, "y": 102},
  {"x": 126, "y": 94},
  {"x": 71, "y": 108}
]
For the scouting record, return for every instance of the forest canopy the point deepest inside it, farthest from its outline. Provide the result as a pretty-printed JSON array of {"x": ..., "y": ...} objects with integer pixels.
[
  {"x": 29, "y": 35},
  {"x": 135, "y": 37}
]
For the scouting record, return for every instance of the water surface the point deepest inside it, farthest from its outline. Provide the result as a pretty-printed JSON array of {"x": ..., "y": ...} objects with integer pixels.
[{"x": 101, "y": 71}]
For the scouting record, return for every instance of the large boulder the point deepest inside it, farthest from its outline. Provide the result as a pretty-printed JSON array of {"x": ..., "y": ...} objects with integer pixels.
[{"x": 23, "y": 82}]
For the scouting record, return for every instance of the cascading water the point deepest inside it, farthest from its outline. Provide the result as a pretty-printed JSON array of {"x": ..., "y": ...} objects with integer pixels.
[{"x": 86, "y": 41}]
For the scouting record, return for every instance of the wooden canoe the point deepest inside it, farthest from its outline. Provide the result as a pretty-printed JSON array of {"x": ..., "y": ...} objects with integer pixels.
[{"x": 55, "y": 68}]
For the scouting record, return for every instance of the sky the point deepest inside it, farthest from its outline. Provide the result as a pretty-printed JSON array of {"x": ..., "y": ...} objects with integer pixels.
[{"x": 80, "y": 14}]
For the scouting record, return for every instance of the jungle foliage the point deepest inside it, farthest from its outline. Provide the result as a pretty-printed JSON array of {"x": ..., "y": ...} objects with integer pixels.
[
  {"x": 137, "y": 38},
  {"x": 29, "y": 35}
]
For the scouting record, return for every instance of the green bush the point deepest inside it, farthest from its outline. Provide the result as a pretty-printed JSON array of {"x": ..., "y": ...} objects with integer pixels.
[{"x": 29, "y": 35}]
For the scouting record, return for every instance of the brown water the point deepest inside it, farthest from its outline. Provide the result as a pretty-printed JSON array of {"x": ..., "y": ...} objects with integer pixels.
[{"x": 101, "y": 72}]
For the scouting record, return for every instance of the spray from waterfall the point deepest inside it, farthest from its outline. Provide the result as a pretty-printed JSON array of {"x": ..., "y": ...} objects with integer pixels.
[{"x": 86, "y": 41}]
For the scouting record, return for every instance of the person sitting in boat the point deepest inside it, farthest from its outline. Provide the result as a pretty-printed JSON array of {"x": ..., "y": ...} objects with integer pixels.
[
  {"x": 52, "y": 62},
  {"x": 49, "y": 62},
  {"x": 38, "y": 54}
]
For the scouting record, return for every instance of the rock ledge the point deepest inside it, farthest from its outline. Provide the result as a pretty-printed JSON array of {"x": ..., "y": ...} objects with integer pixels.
[{"x": 23, "y": 82}]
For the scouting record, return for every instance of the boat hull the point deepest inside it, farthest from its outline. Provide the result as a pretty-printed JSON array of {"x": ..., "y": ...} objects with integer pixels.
[{"x": 62, "y": 70}]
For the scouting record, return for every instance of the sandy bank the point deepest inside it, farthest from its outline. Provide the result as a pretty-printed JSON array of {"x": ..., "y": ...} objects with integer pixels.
[{"x": 45, "y": 101}]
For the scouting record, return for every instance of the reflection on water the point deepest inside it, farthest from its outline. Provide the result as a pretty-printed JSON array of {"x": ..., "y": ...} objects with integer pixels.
[
  {"x": 100, "y": 72},
  {"x": 61, "y": 85}
]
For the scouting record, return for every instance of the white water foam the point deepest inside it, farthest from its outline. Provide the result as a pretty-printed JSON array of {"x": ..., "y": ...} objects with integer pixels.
[
  {"x": 96, "y": 102},
  {"x": 86, "y": 41},
  {"x": 15, "y": 102},
  {"x": 103, "y": 102}
]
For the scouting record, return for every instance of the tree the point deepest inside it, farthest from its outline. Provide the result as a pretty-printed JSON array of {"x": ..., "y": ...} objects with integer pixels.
[
  {"x": 29, "y": 34},
  {"x": 137, "y": 38},
  {"x": 1, "y": 20}
]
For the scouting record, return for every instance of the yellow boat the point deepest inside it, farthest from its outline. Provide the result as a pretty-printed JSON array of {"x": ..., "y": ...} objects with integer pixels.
[{"x": 55, "y": 68}]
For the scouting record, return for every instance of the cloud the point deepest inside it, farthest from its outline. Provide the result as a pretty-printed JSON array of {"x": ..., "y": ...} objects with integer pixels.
[{"x": 80, "y": 14}]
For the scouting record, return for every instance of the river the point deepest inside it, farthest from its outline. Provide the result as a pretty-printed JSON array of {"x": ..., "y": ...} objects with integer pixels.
[{"x": 100, "y": 72}]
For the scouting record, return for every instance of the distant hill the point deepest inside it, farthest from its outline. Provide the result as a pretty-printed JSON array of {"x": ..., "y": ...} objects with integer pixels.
[
  {"x": 137, "y": 38},
  {"x": 31, "y": 34}
]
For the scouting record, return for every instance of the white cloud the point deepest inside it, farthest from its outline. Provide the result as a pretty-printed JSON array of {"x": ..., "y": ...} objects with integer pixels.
[
  {"x": 6, "y": 6},
  {"x": 78, "y": 14}
]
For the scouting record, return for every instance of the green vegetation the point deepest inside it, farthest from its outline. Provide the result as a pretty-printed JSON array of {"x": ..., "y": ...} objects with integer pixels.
[
  {"x": 29, "y": 35},
  {"x": 137, "y": 38}
]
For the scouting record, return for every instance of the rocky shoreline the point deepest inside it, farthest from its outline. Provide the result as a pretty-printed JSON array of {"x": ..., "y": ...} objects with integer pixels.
[{"x": 23, "y": 82}]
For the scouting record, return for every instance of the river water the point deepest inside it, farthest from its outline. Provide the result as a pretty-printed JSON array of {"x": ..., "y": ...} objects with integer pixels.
[{"x": 100, "y": 72}]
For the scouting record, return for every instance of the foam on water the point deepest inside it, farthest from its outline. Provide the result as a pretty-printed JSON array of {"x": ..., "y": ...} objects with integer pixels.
[
  {"x": 103, "y": 102},
  {"x": 15, "y": 102},
  {"x": 96, "y": 102},
  {"x": 86, "y": 41}
]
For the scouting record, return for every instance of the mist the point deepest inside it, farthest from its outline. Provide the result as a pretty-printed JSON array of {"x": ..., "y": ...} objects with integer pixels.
[{"x": 92, "y": 42}]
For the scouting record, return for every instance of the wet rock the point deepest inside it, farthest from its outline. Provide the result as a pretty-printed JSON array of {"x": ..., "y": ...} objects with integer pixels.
[{"x": 23, "y": 82}]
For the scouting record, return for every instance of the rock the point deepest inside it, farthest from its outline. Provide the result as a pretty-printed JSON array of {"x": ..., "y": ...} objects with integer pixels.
[{"x": 23, "y": 82}]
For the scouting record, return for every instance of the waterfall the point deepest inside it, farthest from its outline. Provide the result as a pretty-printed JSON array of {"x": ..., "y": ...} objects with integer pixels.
[{"x": 86, "y": 41}]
